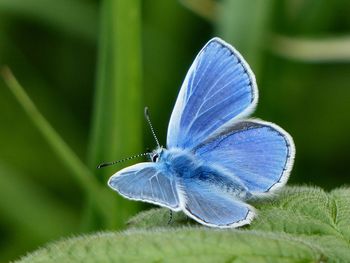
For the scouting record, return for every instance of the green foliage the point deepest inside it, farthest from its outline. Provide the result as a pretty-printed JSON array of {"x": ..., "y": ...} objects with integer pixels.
[
  {"x": 49, "y": 211},
  {"x": 247, "y": 27},
  {"x": 89, "y": 67},
  {"x": 62, "y": 15},
  {"x": 113, "y": 133},
  {"x": 77, "y": 168},
  {"x": 117, "y": 118},
  {"x": 304, "y": 224}
]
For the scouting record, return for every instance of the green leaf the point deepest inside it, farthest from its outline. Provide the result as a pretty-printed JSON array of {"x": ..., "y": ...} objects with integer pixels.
[
  {"x": 185, "y": 245},
  {"x": 304, "y": 224}
]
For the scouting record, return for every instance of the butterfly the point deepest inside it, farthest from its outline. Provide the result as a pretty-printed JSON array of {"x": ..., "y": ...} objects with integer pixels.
[{"x": 216, "y": 159}]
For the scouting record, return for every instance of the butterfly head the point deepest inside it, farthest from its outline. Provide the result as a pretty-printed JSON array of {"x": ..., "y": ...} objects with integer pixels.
[{"x": 156, "y": 154}]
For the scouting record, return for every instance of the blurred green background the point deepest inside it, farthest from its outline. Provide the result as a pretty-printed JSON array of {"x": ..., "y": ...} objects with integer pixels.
[{"x": 91, "y": 66}]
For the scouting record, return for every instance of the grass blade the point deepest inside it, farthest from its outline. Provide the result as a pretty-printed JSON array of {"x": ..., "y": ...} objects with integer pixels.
[
  {"x": 78, "y": 169},
  {"x": 118, "y": 114},
  {"x": 204, "y": 8},
  {"x": 334, "y": 49},
  {"x": 69, "y": 158},
  {"x": 245, "y": 24}
]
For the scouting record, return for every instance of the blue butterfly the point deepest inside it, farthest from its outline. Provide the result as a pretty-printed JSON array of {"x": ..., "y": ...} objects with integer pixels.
[{"x": 216, "y": 160}]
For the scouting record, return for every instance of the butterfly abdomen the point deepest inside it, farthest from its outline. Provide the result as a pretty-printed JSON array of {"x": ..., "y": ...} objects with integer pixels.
[{"x": 220, "y": 180}]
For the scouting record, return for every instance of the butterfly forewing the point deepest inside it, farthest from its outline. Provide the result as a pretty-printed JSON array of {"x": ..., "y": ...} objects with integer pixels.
[
  {"x": 218, "y": 89},
  {"x": 147, "y": 182}
]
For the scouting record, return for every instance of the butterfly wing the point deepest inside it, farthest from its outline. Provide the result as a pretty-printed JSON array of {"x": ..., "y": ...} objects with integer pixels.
[
  {"x": 218, "y": 89},
  {"x": 260, "y": 154},
  {"x": 147, "y": 182},
  {"x": 212, "y": 206}
]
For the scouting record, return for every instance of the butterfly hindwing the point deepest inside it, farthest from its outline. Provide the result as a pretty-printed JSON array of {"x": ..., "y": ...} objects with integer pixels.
[
  {"x": 212, "y": 206},
  {"x": 147, "y": 182},
  {"x": 218, "y": 88},
  {"x": 259, "y": 153}
]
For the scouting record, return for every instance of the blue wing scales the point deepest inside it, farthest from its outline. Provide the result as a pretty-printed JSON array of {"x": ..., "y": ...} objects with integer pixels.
[
  {"x": 147, "y": 182},
  {"x": 219, "y": 88},
  {"x": 212, "y": 207},
  {"x": 260, "y": 154}
]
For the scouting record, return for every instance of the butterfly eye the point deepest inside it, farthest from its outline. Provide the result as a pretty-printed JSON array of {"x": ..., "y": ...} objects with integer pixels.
[{"x": 155, "y": 158}]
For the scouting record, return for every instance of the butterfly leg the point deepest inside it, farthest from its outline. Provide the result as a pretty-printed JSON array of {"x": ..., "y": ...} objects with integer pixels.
[{"x": 170, "y": 216}]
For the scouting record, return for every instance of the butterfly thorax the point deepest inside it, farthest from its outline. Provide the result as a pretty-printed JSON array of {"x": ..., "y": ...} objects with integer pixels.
[
  {"x": 185, "y": 166},
  {"x": 179, "y": 161}
]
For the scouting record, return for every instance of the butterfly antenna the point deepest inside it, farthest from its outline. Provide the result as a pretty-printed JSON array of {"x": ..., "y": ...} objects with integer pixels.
[
  {"x": 122, "y": 160},
  {"x": 150, "y": 125}
]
